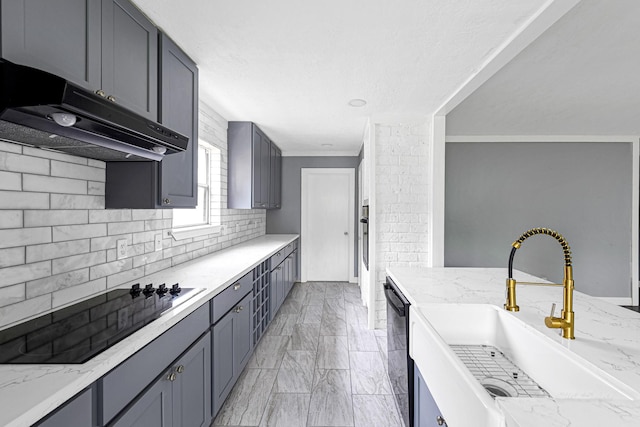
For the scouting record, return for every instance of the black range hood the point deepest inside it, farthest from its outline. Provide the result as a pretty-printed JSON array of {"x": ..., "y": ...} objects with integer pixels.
[{"x": 43, "y": 110}]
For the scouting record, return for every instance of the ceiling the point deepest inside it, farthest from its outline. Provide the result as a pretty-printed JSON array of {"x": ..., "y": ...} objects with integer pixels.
[
  {"x": 579, "y": 78},
  {"x": 292, "y": 66}
]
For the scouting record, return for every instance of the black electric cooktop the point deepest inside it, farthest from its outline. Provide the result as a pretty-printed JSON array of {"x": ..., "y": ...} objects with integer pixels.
[{"x": 77, "y": 333}]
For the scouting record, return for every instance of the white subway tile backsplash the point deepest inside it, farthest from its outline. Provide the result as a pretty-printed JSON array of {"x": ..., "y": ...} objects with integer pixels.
[
  {"x": 11, "y": 219},
  {"x": 156, "y": 224},
  {"x": 10, "y": 147},
  {"x": 52, "y": 217},
  {"x": 70, "y": 170},
  {"x": 11, "y": 162},
  {"x": 74, "y": 232},
  {"x": 53, "y": 283},
  {"x": 53, "y": 185},
  {"x": 14, "y": 313},
  {"x": 99, "y": 243},
  {"x": 56, "y": 250},
  {"x": 104, "y": 270},
  {"x": 145, "y": 236},
  {"x": 145, "y": 214},
  {"x": 11, "y": 256},
  {"x": 78, "y": 292},
  {"x": 125, "y": 227},
  {"x": 157, "y": 266},
  {"x": 40, "y": 218},
  {"x": 10, "y": 181},
  {"x": 96, "y": 163},
  {"x": 12, "y": 294},
  {"x": 66, "y": 201},
  {"x": 110, "y": 215},
  {"x": 24, "y": 236},
  {"x": 54, "y": 155},
  {"x": 21, "y": 200},
  {"x": 147, "y": 258},
  {"x": 75, "y": 262},
  {"x": 123, "y": 277},
  {"x": 96, "y": 188},
  {"x": 25, "y": 272}
]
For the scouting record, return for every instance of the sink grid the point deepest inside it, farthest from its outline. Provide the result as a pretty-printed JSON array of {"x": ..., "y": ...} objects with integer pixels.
[{"x": 496, "y": 373}]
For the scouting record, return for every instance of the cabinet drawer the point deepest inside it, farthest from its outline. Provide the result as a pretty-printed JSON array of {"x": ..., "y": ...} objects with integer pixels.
[
  {"x": 124, "y": 383},
  {"x": 289, "y": 249},
  {"x": 277, "y": 258},
  {"x": 228, "y": 298}
]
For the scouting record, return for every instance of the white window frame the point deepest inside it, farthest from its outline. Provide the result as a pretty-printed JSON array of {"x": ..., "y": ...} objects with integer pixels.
[{"x": 210, "y": 227}]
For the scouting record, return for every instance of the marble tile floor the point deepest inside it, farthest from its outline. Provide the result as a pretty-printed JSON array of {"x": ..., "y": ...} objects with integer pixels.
[{"x": 317, "y": 365}]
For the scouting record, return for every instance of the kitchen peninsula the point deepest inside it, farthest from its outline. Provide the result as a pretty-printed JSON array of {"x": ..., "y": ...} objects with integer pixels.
[{"x": 607, "y": 337}]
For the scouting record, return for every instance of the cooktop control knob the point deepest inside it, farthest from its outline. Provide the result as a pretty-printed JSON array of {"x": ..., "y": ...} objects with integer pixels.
[
  {"x": 148, "y": 291},
  {"x": 135, "y": 291},
  {"x": 175, "y": 290},
  {"x": 162, "y": 290}
]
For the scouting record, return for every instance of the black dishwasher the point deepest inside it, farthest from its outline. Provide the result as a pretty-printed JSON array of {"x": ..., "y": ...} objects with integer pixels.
[{"x": 399, "y": 364}]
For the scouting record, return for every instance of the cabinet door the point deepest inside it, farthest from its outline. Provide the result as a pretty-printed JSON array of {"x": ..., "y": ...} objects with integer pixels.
[
  {"x": 192, "y": 387},
  {"x": 242, "y": 339},
  {"x": 272, "y": 175},
  {"x": 276, "y": 185},
  {"x": 153, "y": 409},
  {"x": 61, "y": 37},
  {"x": 222, "y": 360},
  {"x": 260, "y": 159},
  {"x": 426, "y": 412},
  {"x": 179, "y": 111},
  {"x": 130, "y": 52},
  {"x": 76, "y": 413},
  {"x": 274, "y": 297}
]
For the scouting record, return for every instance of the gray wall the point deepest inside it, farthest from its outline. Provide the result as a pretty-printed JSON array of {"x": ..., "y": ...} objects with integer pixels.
[
  {"x": 287, "y": 218},
  {"x": 496, "y": 191}
]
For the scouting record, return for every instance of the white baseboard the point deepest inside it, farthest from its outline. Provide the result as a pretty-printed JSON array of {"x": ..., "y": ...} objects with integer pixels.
[{"x": 617, "y": 300}]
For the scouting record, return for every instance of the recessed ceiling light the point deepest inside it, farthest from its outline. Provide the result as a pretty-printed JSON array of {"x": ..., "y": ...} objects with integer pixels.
[
  {"x": 326, "y": 145},
  {"x": 357, "y": 102}
]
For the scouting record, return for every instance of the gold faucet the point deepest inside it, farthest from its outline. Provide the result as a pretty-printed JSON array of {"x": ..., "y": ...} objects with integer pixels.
[{"x": 566, "y": 321}]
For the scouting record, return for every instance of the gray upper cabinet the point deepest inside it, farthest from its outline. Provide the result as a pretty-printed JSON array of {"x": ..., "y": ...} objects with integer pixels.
[
  {"x": 253, "y": 168},
  {"x": 130, "y": 57},
  {"x": 171, "y": 183},
  {"x": 179, "y": 111},
  {"x": 106, "y": 46},
  {"x": 61, "y": 37},
  {"x": 276, "y": 177}
]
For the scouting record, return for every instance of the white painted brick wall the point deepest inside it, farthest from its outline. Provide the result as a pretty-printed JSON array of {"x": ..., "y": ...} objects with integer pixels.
[
  {"x": 401, "y": 204},
  {"x": 57, "y": 242}
]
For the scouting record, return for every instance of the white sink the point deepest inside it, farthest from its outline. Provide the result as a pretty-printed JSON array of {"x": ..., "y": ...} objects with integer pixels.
[{"x": 556, "y": 369}]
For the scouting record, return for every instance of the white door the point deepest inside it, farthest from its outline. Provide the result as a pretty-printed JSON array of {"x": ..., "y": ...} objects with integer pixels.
[{"x": 327, "y": 224}]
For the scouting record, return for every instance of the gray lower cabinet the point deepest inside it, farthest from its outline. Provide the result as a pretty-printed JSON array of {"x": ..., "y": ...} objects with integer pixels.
[
  {"x": 232, "y": 346},
  {"x": 180, "y": 397},
  {"x": 78, "y": 412},
  {"x": 276, "y": 283},
  {"x": 74, "y": 38},
  {"x": 173, "y": 182},
  {"x": 426, "y": 412}
]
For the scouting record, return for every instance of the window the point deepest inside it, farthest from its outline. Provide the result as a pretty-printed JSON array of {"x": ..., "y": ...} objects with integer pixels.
[{"x": 207, "y": 212}]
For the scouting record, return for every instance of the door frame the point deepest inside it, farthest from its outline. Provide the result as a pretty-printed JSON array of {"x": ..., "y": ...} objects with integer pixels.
[{"x": 304, "y": 194}]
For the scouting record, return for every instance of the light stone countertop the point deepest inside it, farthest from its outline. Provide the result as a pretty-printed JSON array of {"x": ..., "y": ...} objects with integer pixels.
[
  {"x": 608, "y": 336},
  {"x": 29, "y": 392}
]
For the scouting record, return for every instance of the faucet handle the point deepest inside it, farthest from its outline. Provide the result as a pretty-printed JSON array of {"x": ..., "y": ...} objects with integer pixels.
[{"x": 553, "y": 309}]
